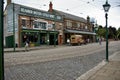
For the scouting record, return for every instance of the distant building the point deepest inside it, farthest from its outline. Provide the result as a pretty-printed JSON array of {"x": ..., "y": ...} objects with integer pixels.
[{"x": 74, "y": 25}]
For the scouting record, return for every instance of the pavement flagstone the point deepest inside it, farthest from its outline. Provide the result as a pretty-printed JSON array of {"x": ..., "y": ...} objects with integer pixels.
[{"x": 105, "y": 70}]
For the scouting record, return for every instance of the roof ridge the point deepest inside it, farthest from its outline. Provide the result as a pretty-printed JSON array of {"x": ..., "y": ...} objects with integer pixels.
[{"x": 68, "y": 15}]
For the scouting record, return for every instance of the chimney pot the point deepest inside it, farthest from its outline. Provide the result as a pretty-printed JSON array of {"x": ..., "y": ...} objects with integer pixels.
[
  {"x": 8, "y": 2},
  {"x": 50, "y": 7}
]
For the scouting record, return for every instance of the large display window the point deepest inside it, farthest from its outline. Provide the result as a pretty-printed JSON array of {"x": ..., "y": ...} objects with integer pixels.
[{"x": 31, "y": 36}]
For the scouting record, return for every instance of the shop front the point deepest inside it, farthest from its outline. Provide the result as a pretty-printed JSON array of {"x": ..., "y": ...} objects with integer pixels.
[
  {"x": 86, "y": 35},
  {"x": 39, "y": 37},
  {"x": 39, "y": 27}
]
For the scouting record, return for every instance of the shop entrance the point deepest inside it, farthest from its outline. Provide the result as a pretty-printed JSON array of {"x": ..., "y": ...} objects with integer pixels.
[
  {"x": 51, "y": 39},
  {"x": 43, "y": 38}
]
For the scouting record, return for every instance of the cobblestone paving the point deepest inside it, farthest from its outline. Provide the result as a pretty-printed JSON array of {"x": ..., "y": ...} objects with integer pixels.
[{"x": 63, "y": 69}]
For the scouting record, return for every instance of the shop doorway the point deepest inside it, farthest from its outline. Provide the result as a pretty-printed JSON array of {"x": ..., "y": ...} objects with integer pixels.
[
  {"x": 51, "y": 39},
  {"x": 43, "y": 38}
]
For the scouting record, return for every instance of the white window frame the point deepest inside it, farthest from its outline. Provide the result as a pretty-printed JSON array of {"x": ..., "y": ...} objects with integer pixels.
[{"x": 40, "y": 26}]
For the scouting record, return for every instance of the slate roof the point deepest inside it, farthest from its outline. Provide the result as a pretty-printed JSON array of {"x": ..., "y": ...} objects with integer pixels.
[{"x": 70, "y": 16}]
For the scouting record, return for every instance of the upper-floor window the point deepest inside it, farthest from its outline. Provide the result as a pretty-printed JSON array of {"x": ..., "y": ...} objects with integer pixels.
[
  {"x": 50, "y": 26},
  {"x": 78, "y": 25},
  {"x": 82, "y": 26},
  {"x": 39, "y": 25},
  {"x": 43, "y": 25},
  {"x": 68, "y": 24},
  {"x": 86, "y": 27},
  {"x": 24, "y": 23},
  {"x": 74, "y": 24},
  {"x": 36, "y": 24}
]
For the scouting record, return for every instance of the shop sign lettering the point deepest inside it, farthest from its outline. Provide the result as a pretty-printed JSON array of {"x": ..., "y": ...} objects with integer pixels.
[{"x": 40, "y": 13}]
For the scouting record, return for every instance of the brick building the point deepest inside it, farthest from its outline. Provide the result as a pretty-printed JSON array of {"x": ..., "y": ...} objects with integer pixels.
[
  {"x": 41, "y": 27},
  {"x": 74, "y": 25}
]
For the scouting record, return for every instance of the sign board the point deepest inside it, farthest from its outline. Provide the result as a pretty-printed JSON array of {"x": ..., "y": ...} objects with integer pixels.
[{"x": 41, "y": 14}]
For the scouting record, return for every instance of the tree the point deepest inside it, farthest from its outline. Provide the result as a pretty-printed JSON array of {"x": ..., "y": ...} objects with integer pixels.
[
  {"x": 112, "y": 32},
  {"x": 118, "y": 33},
  {"x": 100, "y": 26},
  {"x": 101, "y": 31}
]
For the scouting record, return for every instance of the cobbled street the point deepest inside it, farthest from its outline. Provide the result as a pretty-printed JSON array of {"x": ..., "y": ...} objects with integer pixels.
[{"x": 60, "y": 63}]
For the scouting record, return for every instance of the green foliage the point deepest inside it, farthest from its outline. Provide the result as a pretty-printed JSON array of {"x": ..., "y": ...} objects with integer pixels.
[
  {"x": 101, "y": 32},
  {"x": 112, "y": 32},
  {"x": 118, "y": 33}
]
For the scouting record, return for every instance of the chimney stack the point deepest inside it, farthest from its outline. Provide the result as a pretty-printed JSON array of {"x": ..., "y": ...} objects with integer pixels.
[
  {"x": 50, "y": 7},
  {"x": 8, "y": 2},
  {"x": 88, "y": 19}
]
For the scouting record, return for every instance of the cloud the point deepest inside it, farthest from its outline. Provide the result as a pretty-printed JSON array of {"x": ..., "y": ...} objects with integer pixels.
[{"x": 80, "y": 8}]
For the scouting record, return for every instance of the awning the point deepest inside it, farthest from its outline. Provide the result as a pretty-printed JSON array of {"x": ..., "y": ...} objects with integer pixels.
[{"x": 81, "y": 32}]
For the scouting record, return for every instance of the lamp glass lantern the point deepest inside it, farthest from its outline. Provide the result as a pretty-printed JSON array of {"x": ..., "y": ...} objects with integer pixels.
[{"x": 106, "y": 6}]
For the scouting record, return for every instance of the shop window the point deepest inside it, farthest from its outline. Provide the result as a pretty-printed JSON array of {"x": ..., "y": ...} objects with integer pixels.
[
  {"x": 32, "y": 37},
  {"x": 24, "y": 38},
  {"x": 35, "y": 38}
]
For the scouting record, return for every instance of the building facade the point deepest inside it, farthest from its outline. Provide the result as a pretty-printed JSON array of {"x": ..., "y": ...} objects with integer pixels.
[
  {"x": 37, "y": 26},
  {"x": 40, "y": 27},
  {"x": 75, "y": 25}
]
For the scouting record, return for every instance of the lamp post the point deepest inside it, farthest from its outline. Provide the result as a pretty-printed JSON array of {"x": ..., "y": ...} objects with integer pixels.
[
  {"x": 106, "y": 7},
  {"x": 1, "y": 41}
]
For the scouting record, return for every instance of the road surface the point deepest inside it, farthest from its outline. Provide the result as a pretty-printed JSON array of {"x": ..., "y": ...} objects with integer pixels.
[{"x": 62, "y": 63}]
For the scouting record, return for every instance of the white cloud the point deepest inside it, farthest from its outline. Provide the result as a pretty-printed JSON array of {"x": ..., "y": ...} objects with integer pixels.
[{"x": 82, "y": 8}]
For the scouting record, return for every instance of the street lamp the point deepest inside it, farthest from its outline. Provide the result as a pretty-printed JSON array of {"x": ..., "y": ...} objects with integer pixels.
[
  {"x": 106, "y": 7},
  {"x": 1, "y": 40}
]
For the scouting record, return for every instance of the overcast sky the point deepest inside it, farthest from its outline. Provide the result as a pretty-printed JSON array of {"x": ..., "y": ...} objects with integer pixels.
[{"x": 82, "y": 8}]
